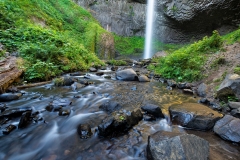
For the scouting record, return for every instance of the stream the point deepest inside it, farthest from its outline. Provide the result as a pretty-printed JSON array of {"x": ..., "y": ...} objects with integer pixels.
[{"x": 54, "y": 137}]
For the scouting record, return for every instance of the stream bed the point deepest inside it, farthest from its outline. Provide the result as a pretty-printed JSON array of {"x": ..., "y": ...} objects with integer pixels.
[{"x": 54, "y": 137}]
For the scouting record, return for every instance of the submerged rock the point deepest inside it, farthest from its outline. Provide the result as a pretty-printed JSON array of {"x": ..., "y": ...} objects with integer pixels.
[
  {"x": 110, "y": 106},
  {"x": 119, "y": 123},
  {"x": 228, "y": 128},
  {"x": 9, "y": 129},
  {"x": 84, "y": 131},
  {"x": 25, "y": 118},
  {"x": 194, "y": 116},
  {"x": 176, "y": 146},
  {"x": 153, "y": 110},
  {"x": 65, "y": 112},
  {"x": 127, "y": 75}
]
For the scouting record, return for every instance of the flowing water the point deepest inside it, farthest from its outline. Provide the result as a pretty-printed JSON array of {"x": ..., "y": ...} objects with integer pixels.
[
  {"x": 55, "y": 137},
  {"x": 149, "y": 29}
]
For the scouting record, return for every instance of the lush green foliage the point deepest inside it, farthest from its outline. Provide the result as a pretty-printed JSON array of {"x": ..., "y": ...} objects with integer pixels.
[
  {"x": 55, "y": 35},
  {"x": 186, "y": 63},
  {"x": 232, "y": 37}
]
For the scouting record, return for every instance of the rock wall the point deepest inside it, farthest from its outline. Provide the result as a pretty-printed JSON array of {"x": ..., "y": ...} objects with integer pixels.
[{"x": 176, "y": 21}]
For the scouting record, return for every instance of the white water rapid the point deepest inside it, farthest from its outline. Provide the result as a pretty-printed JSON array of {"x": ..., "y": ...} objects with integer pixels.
[{"x": 149, "y": 29}]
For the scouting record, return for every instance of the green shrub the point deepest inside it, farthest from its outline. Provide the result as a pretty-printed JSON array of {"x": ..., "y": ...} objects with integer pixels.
[
  {"x": 185, "y": 64},
  {"x": 237, "y": 70}
]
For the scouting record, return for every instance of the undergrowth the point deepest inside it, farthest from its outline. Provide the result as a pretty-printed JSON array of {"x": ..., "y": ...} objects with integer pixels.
[
  {"x": 51, "y": 36},
  {"x": 185, "y": 64}
]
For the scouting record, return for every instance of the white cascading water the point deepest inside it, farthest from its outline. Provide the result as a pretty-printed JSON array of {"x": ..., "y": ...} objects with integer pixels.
[{"x": 149, "y": 28}]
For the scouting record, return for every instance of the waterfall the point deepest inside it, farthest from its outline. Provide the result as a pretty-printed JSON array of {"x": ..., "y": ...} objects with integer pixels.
[{"x": 149, "y": 28}]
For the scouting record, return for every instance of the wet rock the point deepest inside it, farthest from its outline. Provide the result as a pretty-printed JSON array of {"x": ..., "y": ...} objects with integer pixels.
[
  {"x": 226, "y": 109},
  {"x": 92, "y": 69},
  {"x": 6, "y": 97},
  {"x": 3, "y": 107},
  {"x": 64, "y": 81},
  {"x": 15, "y": 112},
  {"x": 9, "y": 129},
  {"x": 230, "y": 86},
  {"x": 100, "y": 73},
  {"x": 52, "y": 108},
  {"x": 202, "y": 90},
  {"x": 143, "y": 78},
  {"x": 64, "y": 112},
  {"x": 234, "y": 105},
  {"x": 77, "y": 74},
  {"x": 25, "y": 118},
  {"x": 236, "y": 113},
  {"x": 194, "y": 116},
  {"x": 148, "y": 117},
  {"x": 204, "y": 101},
  {"x": 171, "y": 83},
  {"x": 182, "y": 85},
  {"x": 84, "y": 131},
  {"x": 228, "y": 128},
  {"x": 215, "y": 106},
  {"x": 76, "y": 86},
  {"x": 153, "y": 110},
  {"x": 114, "y": 68},
  {"x": 119, "y": 123},
  {"x": 110, "y": 106},
  {"x": 127, "y": 75},
  {"x": 174, "y": 146}
]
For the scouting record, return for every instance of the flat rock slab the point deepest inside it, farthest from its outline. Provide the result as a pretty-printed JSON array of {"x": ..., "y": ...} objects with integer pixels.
[
  {"x": 194, "y": 116},
  {"x": 228, "y": 128},
  {"x": 176, "y": 146}
]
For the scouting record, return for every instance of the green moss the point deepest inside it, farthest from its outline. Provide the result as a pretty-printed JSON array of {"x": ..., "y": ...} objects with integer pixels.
[
  {"x": 232, "y": 37},
  {"x": 237, "y": 70},
  {"x": 117, "y": 62}
]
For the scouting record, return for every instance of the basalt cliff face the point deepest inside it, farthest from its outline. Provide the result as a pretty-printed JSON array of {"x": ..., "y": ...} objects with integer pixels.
[{"x": 176, "y": 21}]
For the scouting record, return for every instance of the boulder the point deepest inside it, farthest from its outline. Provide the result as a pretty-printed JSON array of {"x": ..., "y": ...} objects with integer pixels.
[
  {"x": 110, "y": 106},
  {"x": 229, "y": 86},
  {"x": 143, "y": 78},
  {"x": 84, "y": 131},
  {"x": 119, "y": 123},
  {"x": 228, "y": 128},
  {"x": 194, "y": 116},
  {"x": 236, "y": 113},
  {"x": 14, "y": 112},
  {"x": 64, "y": 81},
  {"x": 3, "y": 107},
  {"x": 153, "y": 110},
  {"x": 176, "y": 146},
  {"x": 6, "y": 97},
  {"x": 234, "y": 105},
  {"x": 202, "y": 90},
  {"x": 25, "y": 118},
  {"x": 126, "y": 75}
]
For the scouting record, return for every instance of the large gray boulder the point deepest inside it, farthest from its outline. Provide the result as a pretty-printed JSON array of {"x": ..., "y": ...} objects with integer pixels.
[
  {"x": 119, "y": 122},
  {"x": 175, "y": 146},
  {"x": 194, "y": 116},
  {"x": 228, "y": 128},
  {"x": 229, "y": 86},
  {"x": 127, "y": 75},
  {"x": 175, "y": 20}
]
